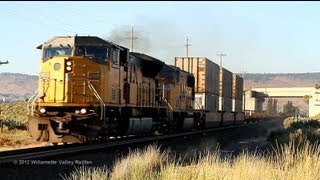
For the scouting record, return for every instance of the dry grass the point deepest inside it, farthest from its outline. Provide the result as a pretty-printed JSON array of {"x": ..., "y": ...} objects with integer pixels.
[
  {"x": 295, "y": 156},
  {"x": 298, "y": 160},
  {"x": 14, "y": 138},
  {"x": 292, "y": 161},
  {"x": 85, "y": 173},
  {"x": 145, "y": 164}
]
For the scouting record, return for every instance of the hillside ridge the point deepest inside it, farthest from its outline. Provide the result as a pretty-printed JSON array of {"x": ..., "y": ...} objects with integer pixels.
[{"x": 18, "y": 86}]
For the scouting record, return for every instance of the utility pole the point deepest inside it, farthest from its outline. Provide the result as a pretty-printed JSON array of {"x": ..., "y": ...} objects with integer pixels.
[
  {"x": 244, "y": 93},
  {"x": 243, "y": 72},
  {"x": 221, "y": 98},
  {"x": 221, "y": 54},
  {"x": 132, "y": 38},
  {"x": 187, "y": 47}
]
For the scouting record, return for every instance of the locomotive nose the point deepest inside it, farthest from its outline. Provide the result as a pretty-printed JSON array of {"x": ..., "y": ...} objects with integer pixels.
[{"x": 52, "y": 79}]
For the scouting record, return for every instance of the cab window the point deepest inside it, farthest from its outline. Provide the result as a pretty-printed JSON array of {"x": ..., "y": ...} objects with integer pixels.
[
  {"x": 116, "y": 56},
  {"x": 56, "y": 51},
  {"x": 98, "y": 53}
]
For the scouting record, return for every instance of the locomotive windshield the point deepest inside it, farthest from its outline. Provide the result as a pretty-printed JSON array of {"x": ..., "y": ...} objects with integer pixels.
[
  {"x": 99, "y": 53},
  {"x": 56, "y": 51}
]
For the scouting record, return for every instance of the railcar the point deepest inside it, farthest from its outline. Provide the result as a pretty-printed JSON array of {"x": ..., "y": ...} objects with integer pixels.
[{"x": 90, "y": 88}]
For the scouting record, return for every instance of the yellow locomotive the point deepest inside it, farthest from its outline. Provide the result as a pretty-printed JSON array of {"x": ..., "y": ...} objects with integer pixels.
[{"x": 90, "y": 88}]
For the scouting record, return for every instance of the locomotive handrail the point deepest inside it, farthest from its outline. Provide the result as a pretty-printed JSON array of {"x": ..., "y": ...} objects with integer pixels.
[
  {"x": 198, "y": 105},
  {"x": 165, "y": 100},
  {"x": 36, "y": 97},
  {"x": 96, "y": 94},
  {"x": 55, "y": 86},
  {"x": 33, "y": 99}
]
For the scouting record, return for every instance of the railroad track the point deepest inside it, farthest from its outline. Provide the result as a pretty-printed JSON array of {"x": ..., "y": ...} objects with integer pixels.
[{"x": 15, "y": 156}]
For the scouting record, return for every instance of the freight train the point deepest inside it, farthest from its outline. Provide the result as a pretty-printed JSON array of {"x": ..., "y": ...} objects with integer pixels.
[{"x": 91, "y": 88}]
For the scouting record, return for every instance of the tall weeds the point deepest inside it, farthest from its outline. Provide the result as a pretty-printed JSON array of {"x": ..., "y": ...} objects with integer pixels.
[{"x": 288, "y": 161}]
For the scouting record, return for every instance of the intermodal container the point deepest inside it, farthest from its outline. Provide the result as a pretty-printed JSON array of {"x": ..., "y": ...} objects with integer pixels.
[
  {"x": 225, "y": 83},
  {"x": 225, "y": 104},
  {"x": 237, "y": 87},
  {"x": 206, "y": 73},
  {"x": 237, "y": 105},
  {"x": 206, "y": 101}
]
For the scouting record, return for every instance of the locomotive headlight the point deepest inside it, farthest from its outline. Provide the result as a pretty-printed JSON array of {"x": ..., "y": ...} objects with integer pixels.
[
  {"x": 42, "y": 110},
  {"x": 83, "y": 111},
  {"x": 68, "y": 68},
  {"x": 68, "y": 65}
]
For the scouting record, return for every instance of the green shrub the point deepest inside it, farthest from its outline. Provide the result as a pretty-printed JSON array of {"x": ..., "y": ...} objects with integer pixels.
[
  {"x": 297, "y": 129},
  {"x": 287, "y": 122},
  {"x": 14, "y": 115}
]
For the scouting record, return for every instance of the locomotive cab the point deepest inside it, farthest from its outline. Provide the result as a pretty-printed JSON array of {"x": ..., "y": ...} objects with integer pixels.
[{"x": 79, "y": 76}]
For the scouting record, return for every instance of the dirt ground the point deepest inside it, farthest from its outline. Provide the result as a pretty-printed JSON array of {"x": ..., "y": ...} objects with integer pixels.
[{"x": 17, "y": 139}]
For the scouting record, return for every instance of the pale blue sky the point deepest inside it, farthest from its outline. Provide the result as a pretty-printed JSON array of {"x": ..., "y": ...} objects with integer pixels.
[{"x": 258, "y": 37}]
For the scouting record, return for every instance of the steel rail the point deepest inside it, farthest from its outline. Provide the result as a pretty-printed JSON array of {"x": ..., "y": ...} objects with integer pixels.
[{"x": 51, "y": 151}]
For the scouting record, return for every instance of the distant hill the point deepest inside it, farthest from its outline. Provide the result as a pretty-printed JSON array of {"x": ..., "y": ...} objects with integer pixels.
[
  {"x": 280, "y": 80},
  {"x": 16, "y": 86}
]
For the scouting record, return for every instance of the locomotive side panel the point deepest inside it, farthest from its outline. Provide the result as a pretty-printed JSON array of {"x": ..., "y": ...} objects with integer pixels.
[
  {"x": 185, "y": 97},
  {"x": 178, "y": 89},
  {"x": 170, "y": 90}
]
